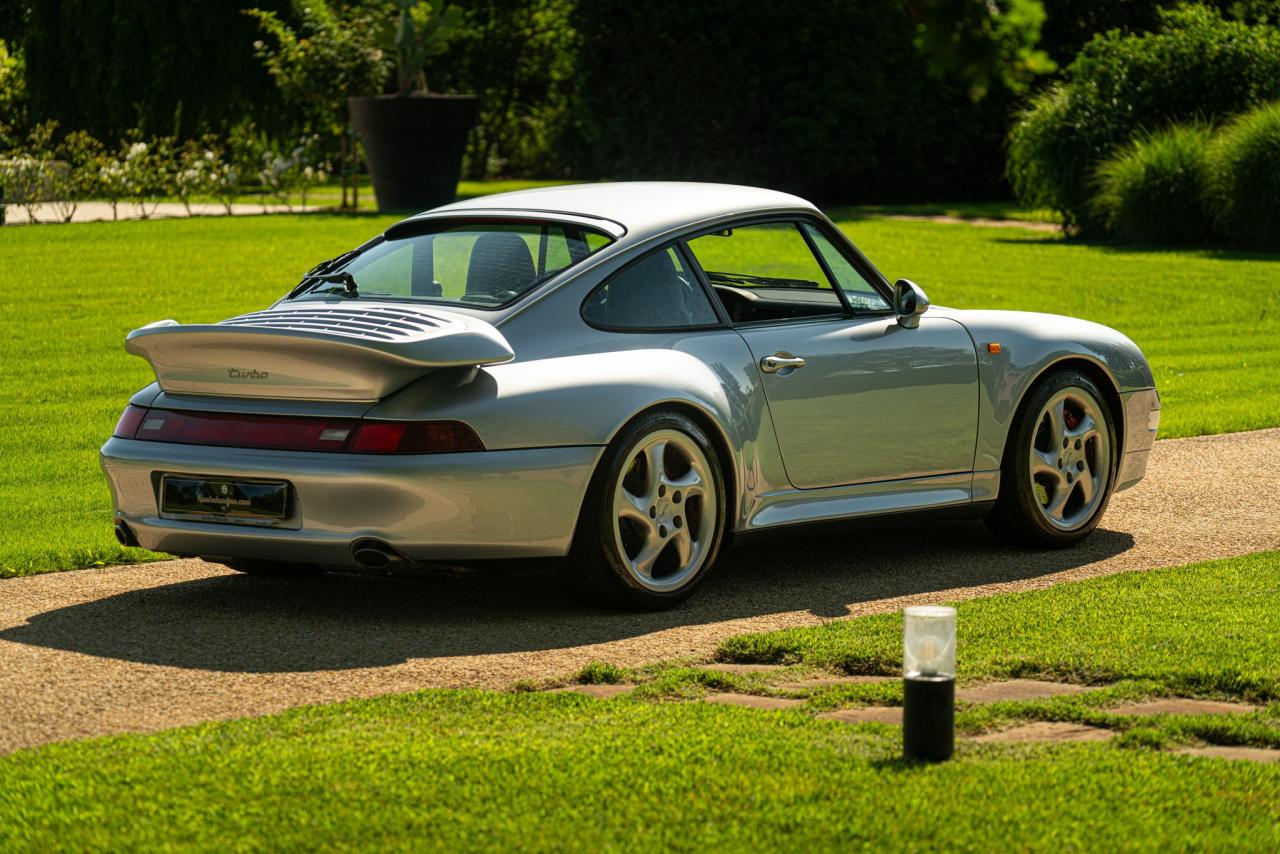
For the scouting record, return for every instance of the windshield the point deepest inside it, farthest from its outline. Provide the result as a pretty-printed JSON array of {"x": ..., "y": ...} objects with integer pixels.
[{"x": 477, "y": 264}]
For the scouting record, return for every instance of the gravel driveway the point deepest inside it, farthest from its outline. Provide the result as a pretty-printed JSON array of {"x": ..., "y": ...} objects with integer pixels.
[{"x": 147, "y": 647}]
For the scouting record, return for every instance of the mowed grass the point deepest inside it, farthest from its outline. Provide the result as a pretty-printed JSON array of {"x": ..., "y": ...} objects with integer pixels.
[
  {"x": 450, "y": 770},
  {"x": 1208, "y": 320},
  {"x": 1207, "y": 628}
]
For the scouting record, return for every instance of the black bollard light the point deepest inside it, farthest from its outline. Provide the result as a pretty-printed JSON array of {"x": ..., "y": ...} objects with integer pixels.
[{"x": 928, "y": 682}]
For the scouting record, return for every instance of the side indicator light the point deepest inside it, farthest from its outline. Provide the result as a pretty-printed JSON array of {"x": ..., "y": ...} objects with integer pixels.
[{"x": 993, "y": 347}]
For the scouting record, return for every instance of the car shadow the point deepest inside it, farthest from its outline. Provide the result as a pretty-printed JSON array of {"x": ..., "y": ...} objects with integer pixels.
[{"x": 241, "y": 624}]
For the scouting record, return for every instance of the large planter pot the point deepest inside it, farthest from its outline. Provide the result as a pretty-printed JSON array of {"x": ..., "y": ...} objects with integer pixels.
[{"x": 414, "y": 146}]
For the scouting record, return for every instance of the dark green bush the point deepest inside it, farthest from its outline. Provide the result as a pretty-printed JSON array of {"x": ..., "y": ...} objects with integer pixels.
[
  {"x": 831, "y": 100},
  {"x": 1245, "y": 169},
  {"x": 167, "y": 68},
  {"x": 1198, "y": 67},
  {"x": 1153, "y": 190}
]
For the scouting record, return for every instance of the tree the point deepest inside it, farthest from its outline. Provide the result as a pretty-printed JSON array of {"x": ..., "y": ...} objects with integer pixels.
[
  {"x": 982, "y": 41},
  {"x": 331, "y": 55}
]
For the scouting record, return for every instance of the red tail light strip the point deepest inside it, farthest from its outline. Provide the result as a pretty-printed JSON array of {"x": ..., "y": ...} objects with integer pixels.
[{"x": 285, "y": 433}]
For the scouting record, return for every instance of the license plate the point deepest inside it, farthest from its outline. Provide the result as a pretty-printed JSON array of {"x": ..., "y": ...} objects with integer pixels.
[{"x": 225, "y": 500}]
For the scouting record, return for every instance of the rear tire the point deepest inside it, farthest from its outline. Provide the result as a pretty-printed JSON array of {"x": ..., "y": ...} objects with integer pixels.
[
  {"x": 1059, "y": 465},
  {"x": 653, "y": 519}
]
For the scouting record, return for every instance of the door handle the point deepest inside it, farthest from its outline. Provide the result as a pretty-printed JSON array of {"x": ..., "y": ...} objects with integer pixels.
[{"x": 781, "y": 361}]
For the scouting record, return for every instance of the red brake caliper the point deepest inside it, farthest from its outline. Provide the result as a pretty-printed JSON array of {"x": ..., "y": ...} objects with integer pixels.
[{"x": 1070, "y": 418}]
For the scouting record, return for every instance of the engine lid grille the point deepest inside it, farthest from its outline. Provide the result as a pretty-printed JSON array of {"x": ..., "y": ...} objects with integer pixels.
[{"x": 367, "y": 323}]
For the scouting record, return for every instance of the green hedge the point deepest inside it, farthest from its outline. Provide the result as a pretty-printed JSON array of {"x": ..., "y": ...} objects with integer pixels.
[
  {"x": 109, "y": 65},
  {"x": 1154, "y": 189},
  {"x": 829, "y": 100},
  {"x": 1245, "y": 168},
  {"x": 1198, "y": 67}
]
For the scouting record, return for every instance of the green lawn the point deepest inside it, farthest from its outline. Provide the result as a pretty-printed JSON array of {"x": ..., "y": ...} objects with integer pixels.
[
  {"x": 482, "y": 770},
  {"x": 1209, "y": 321}
]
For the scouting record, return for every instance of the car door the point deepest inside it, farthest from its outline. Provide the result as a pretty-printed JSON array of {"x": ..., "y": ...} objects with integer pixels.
[{"x": 855, "y": 397}]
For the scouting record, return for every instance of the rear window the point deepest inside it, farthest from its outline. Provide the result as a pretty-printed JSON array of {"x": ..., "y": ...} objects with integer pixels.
[{"x": 477, "y": 264}]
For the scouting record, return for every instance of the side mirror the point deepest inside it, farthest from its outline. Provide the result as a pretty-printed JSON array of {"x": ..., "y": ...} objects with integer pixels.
[{"x": 909, "y": 302}]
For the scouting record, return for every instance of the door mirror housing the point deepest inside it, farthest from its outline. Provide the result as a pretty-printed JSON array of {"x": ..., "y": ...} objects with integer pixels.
[{"x": 909, "y": 302}]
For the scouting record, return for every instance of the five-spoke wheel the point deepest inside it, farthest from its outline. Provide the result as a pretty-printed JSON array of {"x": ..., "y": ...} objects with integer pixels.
[
  {"x": 1059, "y": 464},
  {"x": 653, "y": 517}
]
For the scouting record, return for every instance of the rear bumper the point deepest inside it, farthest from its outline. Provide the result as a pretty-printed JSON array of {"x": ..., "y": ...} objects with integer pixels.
[
  {"x": 1141, "y": 422},
  {"x": 490, "y": 504}
]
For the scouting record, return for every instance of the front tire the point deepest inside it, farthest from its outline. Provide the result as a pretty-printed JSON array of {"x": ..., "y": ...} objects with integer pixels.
[
  {"x": 1059, "y": 465},
  {"x": 653, "y": 518}
]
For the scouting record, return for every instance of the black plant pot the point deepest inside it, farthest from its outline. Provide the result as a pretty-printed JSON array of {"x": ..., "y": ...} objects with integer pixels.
[{"x": 414, "y": 146}]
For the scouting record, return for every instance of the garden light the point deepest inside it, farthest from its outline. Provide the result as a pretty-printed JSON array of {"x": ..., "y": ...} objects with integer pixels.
[{"x": 929, "y": 682}]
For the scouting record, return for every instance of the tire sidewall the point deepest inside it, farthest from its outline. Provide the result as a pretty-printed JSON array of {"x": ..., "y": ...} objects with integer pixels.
[
  {"x": 1018, "y": 465},
  {"x": 607, "y": 547}
]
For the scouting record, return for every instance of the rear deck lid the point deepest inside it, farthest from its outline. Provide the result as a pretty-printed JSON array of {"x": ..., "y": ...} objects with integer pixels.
[{"x": 315, "y": 351}]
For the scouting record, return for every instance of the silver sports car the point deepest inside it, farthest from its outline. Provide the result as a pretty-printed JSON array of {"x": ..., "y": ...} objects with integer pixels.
[{"x": 619, "y": 376}]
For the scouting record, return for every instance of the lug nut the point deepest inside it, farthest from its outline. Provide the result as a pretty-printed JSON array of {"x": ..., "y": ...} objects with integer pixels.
[
  {"x": 653, "y": 512},
  {"x": 1080, "y": 466},
  {"x": 662, "y": 490},
  {"x": 662, "y": 530},
  {"x": 678, "y": 522},
  {"x": 676, "y": 497},
  {"x": 1077, "y": 444}
]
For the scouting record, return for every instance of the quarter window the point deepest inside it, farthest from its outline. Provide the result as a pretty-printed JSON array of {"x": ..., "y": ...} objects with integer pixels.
[{"x": 656, "y": 292}]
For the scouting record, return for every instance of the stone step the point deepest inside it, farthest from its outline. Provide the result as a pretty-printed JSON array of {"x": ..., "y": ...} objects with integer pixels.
[
  {"x": 1053, "y": 731},
  {"x": 1183, "y": 706},
  {"x": 751, "y": 701},
  {"x": 742, "y": 669},
  {"x": 1016, "y": 689},
  {"x": 1248, "y": 754},
  {"x": 834, "y": 682},
  {"x": 867, "y": 714}
]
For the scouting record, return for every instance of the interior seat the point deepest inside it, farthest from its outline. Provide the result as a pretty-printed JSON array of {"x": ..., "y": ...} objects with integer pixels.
[{"x": 500, "y": 264}]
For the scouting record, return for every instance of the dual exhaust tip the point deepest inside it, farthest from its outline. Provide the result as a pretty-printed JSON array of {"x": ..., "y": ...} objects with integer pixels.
[
  {"x": 376, "y": 556},
  {"x": 125, "y": 535}
]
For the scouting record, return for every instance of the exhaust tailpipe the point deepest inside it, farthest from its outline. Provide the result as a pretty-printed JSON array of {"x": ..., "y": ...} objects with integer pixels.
[
  {"x": 124, "y": 534},
  {"x": 376, "y": 555}
]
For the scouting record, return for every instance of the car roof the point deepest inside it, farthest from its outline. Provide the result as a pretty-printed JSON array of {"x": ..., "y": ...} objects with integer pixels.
[{"x": 642, "y": 208}]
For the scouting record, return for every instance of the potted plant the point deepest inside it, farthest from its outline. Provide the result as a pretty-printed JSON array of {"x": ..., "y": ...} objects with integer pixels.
[{"x": 414, "y": 139}]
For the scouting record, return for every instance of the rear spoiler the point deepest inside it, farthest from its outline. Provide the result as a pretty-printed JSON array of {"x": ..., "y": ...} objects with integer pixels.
[{"x": 322, "y": 353}]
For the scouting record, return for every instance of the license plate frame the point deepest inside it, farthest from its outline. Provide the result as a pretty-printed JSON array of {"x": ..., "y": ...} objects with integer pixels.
[{"x": 227, "y": 500}]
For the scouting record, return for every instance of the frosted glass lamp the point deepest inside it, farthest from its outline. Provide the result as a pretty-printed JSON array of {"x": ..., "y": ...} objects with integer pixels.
[
  {"x": 929, "y": 641},
  {"x": 928, "y": 682}
]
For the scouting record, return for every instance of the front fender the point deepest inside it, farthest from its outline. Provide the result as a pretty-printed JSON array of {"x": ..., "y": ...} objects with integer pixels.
[{"x": 1030, "y": 345}]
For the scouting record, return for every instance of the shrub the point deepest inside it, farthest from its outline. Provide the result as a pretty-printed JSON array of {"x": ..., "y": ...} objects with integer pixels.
[
  {"x": 1197, "y": 67},
  {"x": 1245, "y": 170},
  {"x": 1153, "y": 190}
]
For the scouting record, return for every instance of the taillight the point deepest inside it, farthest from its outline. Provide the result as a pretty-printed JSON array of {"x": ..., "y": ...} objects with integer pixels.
[
  {"x": 129, "y": 421},
  {"x": 414, "y": 437},
  {"x": 285, "y": 433}
]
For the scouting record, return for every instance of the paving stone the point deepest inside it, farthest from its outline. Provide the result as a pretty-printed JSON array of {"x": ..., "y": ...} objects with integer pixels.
[
  {"x": 1250, "y": 754},
  {"x": 834, "y": 681},
  {"x": 1054, "y": 731},
  {"x": 742, "y": 669},
  {"x": 751, "y": 701},
  {"x": 601, "y": 692},
  {"x": 1183, "y": 706},
  {"x": 868, "y": 715},
  {"x": 1016, "y": 689}
]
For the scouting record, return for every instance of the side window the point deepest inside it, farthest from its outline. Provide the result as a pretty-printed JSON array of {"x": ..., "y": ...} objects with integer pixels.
[
  {"x": 656, "y": 292},
  {"x": 861, "y": 294},
  {"x": 765, "y": 272}
]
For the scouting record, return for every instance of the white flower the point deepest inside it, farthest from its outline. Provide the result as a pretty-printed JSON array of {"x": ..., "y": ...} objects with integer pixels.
[{"x": 137, "y": 150}]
